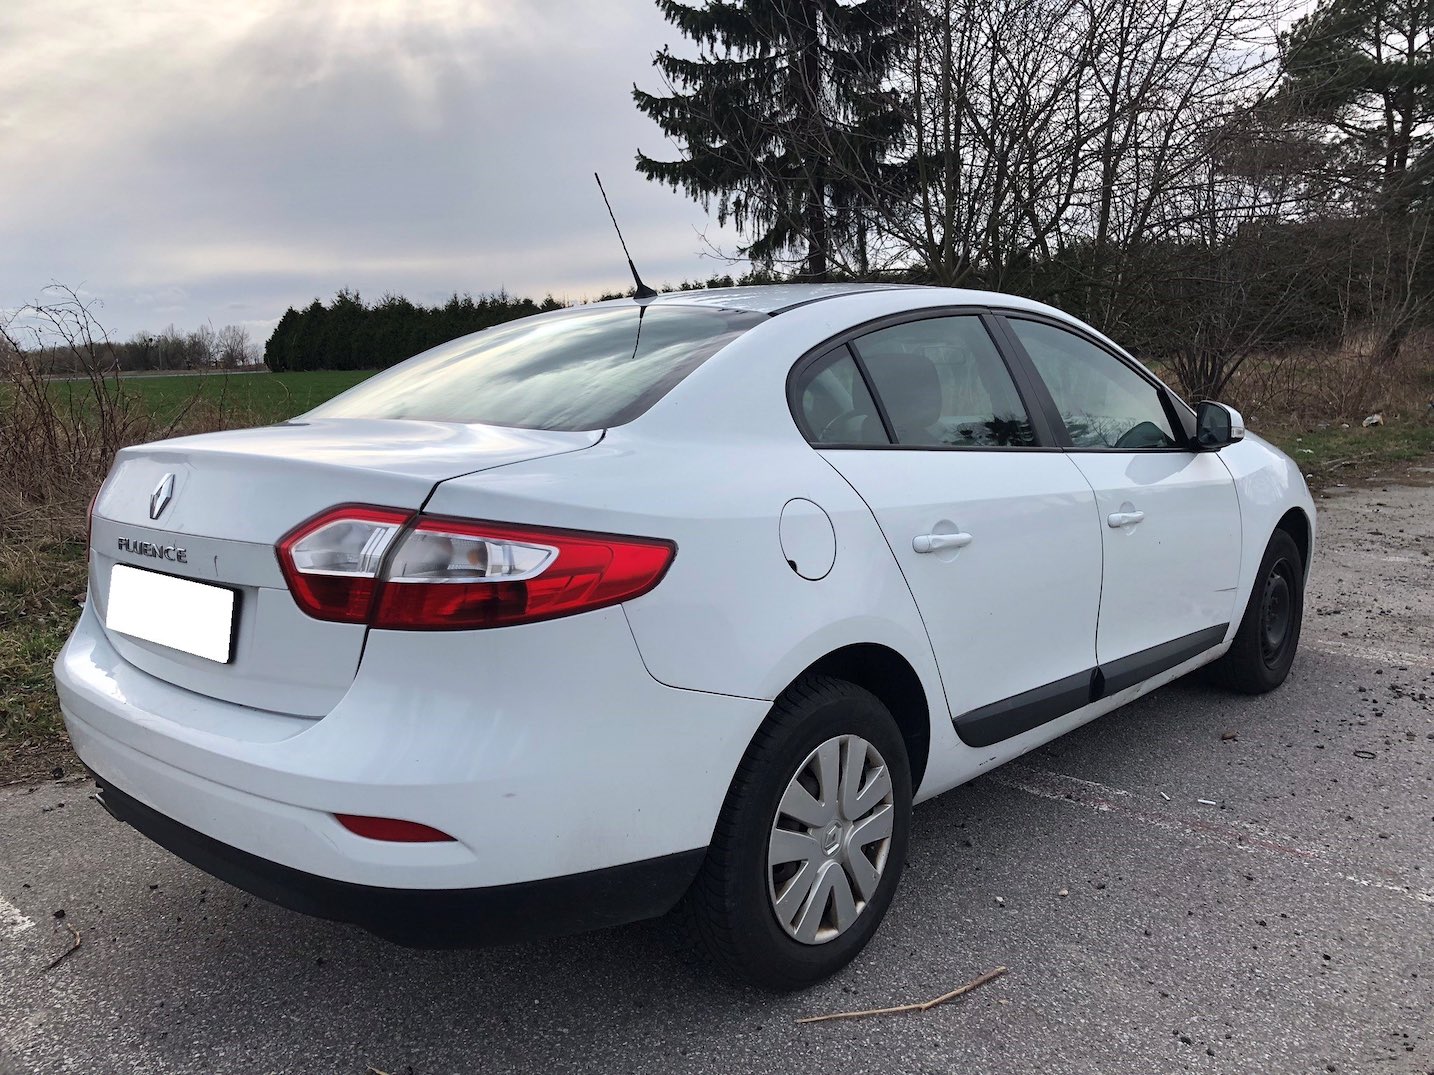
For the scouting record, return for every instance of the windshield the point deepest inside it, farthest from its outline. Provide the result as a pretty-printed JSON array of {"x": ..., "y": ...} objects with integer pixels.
[{"x": 590, "y": 369}]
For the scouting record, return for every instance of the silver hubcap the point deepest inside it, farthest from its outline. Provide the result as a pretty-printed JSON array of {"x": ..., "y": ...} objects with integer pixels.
[{"x": 830, "y": 839}]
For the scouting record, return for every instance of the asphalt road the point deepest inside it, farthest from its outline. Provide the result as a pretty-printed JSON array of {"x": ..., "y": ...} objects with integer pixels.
[{"x": 1287, "y": 928}]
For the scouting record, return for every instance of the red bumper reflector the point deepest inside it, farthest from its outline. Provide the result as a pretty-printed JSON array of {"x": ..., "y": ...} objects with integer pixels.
[{"x": 392, "y": 830}]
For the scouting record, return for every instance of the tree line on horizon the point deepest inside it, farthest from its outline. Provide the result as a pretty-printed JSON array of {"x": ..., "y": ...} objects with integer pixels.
[
  {"x": 61, "y": 335},
  {"x": 350, "y": 334}
]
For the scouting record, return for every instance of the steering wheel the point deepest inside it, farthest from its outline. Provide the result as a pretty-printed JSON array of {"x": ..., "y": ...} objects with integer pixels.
[
  {"x": 1143, "y": 435},
  {"x": 846, "y": 415}
]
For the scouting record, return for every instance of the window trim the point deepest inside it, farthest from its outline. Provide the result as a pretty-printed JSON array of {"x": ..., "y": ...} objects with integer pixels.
[
  {"x": 1045, "y": 437},
  {"x": 1167, "y": 398}
]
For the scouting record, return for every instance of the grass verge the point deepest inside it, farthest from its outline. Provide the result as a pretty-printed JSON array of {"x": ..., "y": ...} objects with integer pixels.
[
  {"x": 1337, "y": 455},
  {"x": 40, "y": 591},
  {"x": 42, "y": 554}
]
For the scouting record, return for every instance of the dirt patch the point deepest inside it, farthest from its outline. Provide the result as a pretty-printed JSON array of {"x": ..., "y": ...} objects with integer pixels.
[{"x": 34, "y": 763}]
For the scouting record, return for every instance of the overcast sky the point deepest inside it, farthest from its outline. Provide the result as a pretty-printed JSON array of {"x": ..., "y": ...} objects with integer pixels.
[{"x": 191, "y": 161}]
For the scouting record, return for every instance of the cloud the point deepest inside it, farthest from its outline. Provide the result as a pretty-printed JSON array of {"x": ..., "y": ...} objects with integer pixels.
[{"x": 264, "y": 153}]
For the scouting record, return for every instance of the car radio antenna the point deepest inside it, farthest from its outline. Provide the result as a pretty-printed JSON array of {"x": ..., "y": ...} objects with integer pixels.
[{"x": 643, "y": 291}]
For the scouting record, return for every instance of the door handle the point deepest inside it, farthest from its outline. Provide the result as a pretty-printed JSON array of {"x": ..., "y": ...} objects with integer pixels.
[
  {"x": 1117, "y": 519},
  {"x": 932, "y": 542}
]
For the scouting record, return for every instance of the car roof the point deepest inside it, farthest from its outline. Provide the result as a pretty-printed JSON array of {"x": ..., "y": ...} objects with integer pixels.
[
  {"x": 774, "y": 299},
  {"x": 762, "y": 298}
]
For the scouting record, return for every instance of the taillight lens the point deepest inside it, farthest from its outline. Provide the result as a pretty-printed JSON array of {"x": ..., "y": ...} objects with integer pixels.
[
  {"x": 455, "y": 574},
  {"x": 360, "y": 564},
  {"x": 331, "y": 562}
]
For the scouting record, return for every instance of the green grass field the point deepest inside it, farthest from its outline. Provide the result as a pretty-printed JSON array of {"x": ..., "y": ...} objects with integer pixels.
[
  {"x": 1336, "y": 454},
  {"x": 266, "y": 397}
]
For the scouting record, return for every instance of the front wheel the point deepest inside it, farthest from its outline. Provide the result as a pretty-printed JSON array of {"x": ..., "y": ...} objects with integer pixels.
[
  {"x": 1264, "y": 648},
  {"x": 811, "y": 841}
]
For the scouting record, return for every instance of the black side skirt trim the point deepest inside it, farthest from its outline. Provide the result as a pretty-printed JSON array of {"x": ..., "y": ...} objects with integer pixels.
[
  {"x": 1012, "y": 716},
  {"x": 430, "y": 918},
  {"x": 1128, "y": 671},
  {"x": 1009, "y": 717}
]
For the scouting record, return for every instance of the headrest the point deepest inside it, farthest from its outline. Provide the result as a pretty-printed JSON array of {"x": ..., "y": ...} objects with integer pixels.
[{"x": 910, "y": 387}]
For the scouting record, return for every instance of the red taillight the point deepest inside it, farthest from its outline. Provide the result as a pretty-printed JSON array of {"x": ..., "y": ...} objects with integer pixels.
[
  {"x": 331, "y": 562},
  {"x": 362, "y": 564},
  {"x": 392, "y": 830}
]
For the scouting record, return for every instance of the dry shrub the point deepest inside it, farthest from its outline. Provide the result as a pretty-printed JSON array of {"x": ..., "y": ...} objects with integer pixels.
[
  {"x": 1308, "y": 386},
  {"x": 58, "y": 436},
  {"x": 57, "y": 440}
]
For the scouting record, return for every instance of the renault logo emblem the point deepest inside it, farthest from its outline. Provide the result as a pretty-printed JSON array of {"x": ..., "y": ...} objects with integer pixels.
[{"x": 162, "y": 495}]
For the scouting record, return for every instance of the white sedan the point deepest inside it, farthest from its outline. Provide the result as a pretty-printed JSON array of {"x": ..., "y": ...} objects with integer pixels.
[{"x": 684, "y": 601}]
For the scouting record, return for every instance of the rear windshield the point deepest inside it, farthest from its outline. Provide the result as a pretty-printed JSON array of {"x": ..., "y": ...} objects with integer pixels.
[{"x": 589, "y": 369}]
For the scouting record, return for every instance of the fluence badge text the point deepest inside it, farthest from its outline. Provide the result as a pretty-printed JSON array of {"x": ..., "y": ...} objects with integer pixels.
[{"x": 158, "y": 552}]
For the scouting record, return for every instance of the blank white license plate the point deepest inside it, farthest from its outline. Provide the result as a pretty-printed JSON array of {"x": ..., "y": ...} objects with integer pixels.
[{"x": 184, "y": 615}]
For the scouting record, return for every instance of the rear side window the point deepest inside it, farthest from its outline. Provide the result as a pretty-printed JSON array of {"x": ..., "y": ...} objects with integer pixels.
[
  {"x": 944, "y": 384},
  {"x": 1103, "y": 402},
  {"x": 836, "y": 407},
  {"x": 587, "y": 369}
]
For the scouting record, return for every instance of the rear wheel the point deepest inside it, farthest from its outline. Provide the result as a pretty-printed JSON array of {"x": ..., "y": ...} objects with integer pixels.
[
  {"x": 1269, "y": 634},
  {"x": 811, "y": 841}
]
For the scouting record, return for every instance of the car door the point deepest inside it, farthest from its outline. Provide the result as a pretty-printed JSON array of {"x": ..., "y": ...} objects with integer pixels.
[
  {"x": 1168, "y": 516},
  {"x": 990, "y": 523}
]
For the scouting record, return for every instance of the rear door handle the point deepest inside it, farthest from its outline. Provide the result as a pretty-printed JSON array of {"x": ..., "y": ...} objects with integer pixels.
[
  {"x": 932, "y": 542},
  {"x": 1124, "y": 518}
]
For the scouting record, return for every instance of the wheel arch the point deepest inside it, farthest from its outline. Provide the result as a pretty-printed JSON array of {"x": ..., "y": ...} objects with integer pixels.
[
  {"x": 1297, "y": 524},
  {"x": 888, "y": 675}
]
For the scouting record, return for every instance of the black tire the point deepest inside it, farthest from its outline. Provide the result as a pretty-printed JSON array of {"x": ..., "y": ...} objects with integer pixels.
[
  {"x": 1264, "y": 648},
  {"x": 729, "y": 910}
]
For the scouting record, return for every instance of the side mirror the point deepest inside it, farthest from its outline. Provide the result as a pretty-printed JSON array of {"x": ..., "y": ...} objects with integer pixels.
[{"x": 1217, "y": 425}]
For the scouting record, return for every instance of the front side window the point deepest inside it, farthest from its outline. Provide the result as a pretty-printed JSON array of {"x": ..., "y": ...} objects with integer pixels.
[
  {"x": 1102, "y": 401},
  {"x": 943, "y": 384},
  {"x": 586, "y": 369}
]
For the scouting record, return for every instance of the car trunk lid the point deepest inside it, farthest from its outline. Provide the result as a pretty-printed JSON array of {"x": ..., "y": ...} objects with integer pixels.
[{"x": 210, "y": 508}]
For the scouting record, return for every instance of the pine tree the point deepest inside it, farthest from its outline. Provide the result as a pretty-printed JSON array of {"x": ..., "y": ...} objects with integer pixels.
[
  {"x": 785, "y": 118},
  {"x": 277, "y": 350},
  {"x": 1365, "y": 68}
]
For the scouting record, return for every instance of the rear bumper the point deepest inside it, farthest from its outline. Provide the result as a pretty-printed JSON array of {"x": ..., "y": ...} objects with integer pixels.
[
  {"x": 429, "y": 918},
  {"x": 546, "y": 751}
]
